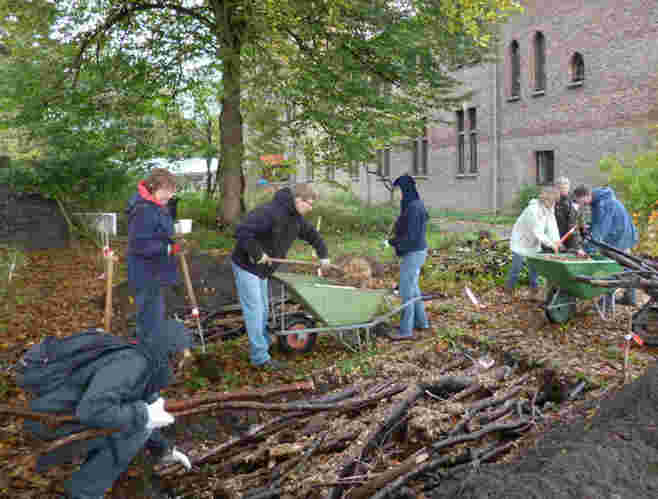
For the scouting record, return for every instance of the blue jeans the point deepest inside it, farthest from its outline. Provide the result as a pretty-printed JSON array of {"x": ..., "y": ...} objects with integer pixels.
[
  {"x": 254, "y": 301},
  {"x": 107, "y": 458},
  {"x": 413, "y": 315},
  {"x": 515, "y": 270},
  {"x": 150, "y": 310}
]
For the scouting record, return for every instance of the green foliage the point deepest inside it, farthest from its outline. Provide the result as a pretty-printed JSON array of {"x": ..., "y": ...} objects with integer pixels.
[
  {"x": 526, "y": 193},
  {"x": 635, "y": 180},
  {"x": 198, "y": 207}
]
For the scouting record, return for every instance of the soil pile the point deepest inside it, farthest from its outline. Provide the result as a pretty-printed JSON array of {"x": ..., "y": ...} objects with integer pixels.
[{"x": 611, "y": 454}]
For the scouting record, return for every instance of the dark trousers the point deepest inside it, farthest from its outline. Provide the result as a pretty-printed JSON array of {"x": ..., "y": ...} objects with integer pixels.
[{"x": 150, "y": 310}]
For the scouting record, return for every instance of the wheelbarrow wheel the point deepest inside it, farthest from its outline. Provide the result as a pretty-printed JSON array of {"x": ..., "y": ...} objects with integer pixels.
[
  {"x": 560, "y": 306},
  {"x": 299, "y": 343}
]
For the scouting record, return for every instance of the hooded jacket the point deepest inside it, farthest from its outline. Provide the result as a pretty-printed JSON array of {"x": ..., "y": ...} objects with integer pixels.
[
  {"x": 272, "y": 228},
  {"x": 411, "y": 225},
  {"x": 113, "y": 390},
  {"x": 150, "y": 231},
  {"x": 535, "y": 226},
  {"x": 611, "y": 223}
]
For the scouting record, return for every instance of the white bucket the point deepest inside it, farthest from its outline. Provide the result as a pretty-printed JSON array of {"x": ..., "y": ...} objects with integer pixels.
[{"x": 183, "y": 226}]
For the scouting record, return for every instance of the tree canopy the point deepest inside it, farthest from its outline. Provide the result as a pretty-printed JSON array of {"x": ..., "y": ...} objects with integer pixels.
[{"x": 356, "y": 74}]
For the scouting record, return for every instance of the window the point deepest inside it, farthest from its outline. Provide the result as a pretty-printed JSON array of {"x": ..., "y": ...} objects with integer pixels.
[
  {"x": 354, "y": 171},
  {"x": 545, "y": 167},
  {"x": 577, "y": 68},
  {"x": 540, "y": 63},
  {"x": 515, "y": 63},
  {"x": 473, "y": 140},
  {"x": 419, "y": 152},
  {"x": 384, "y": 163},
  {"x": 461, "y": 144}
]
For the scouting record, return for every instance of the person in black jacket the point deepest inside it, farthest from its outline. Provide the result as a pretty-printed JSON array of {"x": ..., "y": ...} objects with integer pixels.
[
  {"x": 151, "y": 248},
  {"x": 410, "y": 243},
  {"x": 268, "y": 232},
  {"x": 117, "y": 390},
  {"x": 567, "y": 216}
]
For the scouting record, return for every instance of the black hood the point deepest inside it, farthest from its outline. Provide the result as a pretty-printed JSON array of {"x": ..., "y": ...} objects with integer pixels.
[
  {"x": 285, "y": 197},
  {"x": 408, "y": 187}
]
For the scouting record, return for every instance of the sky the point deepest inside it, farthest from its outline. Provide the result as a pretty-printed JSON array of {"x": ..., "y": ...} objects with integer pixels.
[{"x": 191, "y": 165}]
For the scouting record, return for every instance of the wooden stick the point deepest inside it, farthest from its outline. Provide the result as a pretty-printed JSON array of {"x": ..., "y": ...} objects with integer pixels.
[
  {"x": 303, "y": 262},
  {"x": 193, "y": 301},
  {"x": 107, "y": 322}
]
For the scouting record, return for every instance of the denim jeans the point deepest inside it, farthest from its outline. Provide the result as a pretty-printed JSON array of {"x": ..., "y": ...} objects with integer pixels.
[
  {"x": 107, "y": 458},
  {"x": 413, "y": 315},
  {"x": 150, "y": 310},
  {"x": 515, "y": 270},
  {"x": 254, "y": 301}
]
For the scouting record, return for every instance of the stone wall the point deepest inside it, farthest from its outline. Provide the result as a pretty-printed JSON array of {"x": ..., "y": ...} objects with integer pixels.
[{"x": 30, "y": 221}]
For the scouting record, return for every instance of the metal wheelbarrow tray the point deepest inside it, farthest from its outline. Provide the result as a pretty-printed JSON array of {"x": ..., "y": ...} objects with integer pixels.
[
  {"x": 328, "y": 308},
  {"x": 564, "y": 289}
]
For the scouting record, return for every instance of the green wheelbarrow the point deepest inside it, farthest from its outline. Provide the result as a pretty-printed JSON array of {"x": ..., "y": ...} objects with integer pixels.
[
  {"x": 348, "y": 312},
  {"x": 564, "y": 289}
]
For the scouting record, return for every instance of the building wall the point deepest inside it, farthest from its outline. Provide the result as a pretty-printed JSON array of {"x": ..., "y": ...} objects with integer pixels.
[{"x": 608, "y": 114}]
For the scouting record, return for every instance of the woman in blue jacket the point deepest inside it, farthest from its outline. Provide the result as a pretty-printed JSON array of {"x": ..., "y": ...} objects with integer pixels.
[
  {"x": 410, "y": 243},
  {"x": 151, "y": 248}
]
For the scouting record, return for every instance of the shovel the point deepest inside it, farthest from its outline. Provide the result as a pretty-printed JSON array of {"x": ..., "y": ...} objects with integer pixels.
[{"x": 192, "y": 295}]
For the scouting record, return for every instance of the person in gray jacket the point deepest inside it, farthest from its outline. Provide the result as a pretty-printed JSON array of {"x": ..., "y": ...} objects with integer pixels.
[{"x": 118, "y": 390}]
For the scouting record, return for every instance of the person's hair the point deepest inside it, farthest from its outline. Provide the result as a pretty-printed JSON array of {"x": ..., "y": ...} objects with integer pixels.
[
  {"x": 159, "y": 178},
  {"x": 562, "y": 181},
  {"x": 549, "y": 194},
  {"x": 304, "y": 191},
  {"x": 581, "y": 191}
]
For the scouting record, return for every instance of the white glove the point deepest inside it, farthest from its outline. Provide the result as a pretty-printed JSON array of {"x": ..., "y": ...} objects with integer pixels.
[
  {"x": 385, "y": 243},
  {"x": 265, "y": 259},
  {"x": 157, "y": 416},
  {"x": 176, "y": 456},
  {"x": 325, "y": 262}
]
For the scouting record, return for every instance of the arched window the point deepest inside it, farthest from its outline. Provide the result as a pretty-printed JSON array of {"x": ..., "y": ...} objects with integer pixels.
[
  {"x": 577, "y": 68},
  {"x": 540, "y": 62},
  {"x": 515, "y": 68}
]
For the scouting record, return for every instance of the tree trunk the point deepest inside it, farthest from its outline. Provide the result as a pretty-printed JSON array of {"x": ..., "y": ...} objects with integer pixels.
[{"x": 232, "y": 145}]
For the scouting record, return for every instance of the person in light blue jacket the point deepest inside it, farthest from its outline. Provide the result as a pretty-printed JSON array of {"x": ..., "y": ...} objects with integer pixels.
[{"x": 611, "y": 223}]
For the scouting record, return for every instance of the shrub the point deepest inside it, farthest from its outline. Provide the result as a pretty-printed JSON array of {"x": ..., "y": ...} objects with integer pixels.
[
  {"x": 526, "y": 193},
  {"x": 198, "y": 207}
]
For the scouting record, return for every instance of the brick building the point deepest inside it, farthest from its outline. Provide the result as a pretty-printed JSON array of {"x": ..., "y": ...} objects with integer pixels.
[{"x": 575, "y": 80}]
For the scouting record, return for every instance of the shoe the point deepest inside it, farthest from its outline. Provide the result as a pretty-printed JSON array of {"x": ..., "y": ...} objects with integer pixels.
[
  {"x": 272, "y": 365},
  {"x": 394, "y": 335},
  {"x": 426, "y": 328}
]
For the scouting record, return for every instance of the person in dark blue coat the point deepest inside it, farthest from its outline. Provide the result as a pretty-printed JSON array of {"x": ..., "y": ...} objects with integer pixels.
[
  {"x": 151, "y": 248},
  {"x": 611, "y": 223},
  {"x": 410, "y": 243},
  {"x": 118, "y": 390},
  {"x": 268, "y": 232}
]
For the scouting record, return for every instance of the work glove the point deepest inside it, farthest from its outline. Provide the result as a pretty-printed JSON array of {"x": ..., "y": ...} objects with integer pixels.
[
  {"x": 265, "y": 259},
  {"x": 157, "y": 416},
  {"x": 173, "y": 249},
  {"x": 176, "y": 456}
]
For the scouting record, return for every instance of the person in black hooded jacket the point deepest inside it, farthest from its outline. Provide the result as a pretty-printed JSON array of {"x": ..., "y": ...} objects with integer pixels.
[
  {"x": 118, "y": 390},
  {"x": 410, "y": 243},
  {"x": 268, "y": 232}
]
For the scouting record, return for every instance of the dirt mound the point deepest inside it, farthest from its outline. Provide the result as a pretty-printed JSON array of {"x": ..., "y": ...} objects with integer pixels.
[{"x": 613, "y": 454}]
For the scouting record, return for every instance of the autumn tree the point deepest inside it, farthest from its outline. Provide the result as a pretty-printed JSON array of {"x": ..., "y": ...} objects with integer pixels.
[{"x": 326, "y": 58}]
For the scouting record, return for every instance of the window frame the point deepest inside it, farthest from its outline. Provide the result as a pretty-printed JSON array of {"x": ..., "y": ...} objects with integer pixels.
[
  {"x": 539, "y": 44},
  {"x": 515, "y": 70},
  {"x": 461, "y": 142},
  {"x": 545, "y": 158},
  {"x": 473, "y": 142},
  {"x": 577, "y": 68}
]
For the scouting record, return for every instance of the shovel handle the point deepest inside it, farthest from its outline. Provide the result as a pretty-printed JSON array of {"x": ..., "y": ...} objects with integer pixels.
[
  {"x": 107, "y": 321},
  {"x": 303, "y": 262},
  {"x": 188, "y": 280}
]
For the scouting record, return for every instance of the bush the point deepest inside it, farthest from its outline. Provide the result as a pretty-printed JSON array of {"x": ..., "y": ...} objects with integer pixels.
[
  {"x": 198, "y": 207},
  {"x": 527, "y": 192}
]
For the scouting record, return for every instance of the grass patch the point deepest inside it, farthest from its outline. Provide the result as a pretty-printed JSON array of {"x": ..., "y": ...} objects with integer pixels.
[{"x": 482, "y": 217}]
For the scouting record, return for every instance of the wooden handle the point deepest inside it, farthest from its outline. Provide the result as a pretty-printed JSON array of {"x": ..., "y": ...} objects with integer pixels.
[
  {"x": 303, "y": 262},
  {"x": 566, "y": 236},
  {"x": 107, "y": 322},
  {"x": 188, "y": 281}
]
